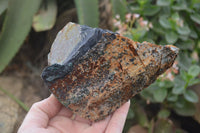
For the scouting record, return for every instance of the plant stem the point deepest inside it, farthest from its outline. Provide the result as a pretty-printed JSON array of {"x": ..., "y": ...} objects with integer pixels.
[{"x": 15, "y": 99}]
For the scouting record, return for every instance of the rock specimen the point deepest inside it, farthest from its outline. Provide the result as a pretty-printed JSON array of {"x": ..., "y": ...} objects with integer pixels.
[{"x": 94, "y": 71}]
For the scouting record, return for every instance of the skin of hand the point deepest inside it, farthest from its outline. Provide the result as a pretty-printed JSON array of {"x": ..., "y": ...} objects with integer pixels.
[{"x": 50, "y": 116}]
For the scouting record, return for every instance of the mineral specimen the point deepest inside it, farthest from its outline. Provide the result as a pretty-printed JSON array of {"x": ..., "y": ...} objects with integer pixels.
[{"x": 94, "y": 71}]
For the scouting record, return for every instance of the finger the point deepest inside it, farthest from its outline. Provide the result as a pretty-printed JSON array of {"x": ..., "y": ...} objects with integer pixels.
[
  {"x": 41, "y": 112},
  {"x": 49, "y": 106},
  {"x": 117, "y": 121},
  {"x": 62, "y": 123},
  {"x": 65, "y": 112},
  {"x": 99, "y": 126},
  {"x": 82, "y": 120}
]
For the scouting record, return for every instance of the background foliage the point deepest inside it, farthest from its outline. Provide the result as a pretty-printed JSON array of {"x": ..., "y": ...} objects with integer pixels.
[
  {"x": 162, "y": 22},
  {"x": 166, "y": 22}
]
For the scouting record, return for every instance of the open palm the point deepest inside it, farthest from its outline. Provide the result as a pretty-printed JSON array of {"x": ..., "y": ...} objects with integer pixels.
[{"x": 49, "y": 116}]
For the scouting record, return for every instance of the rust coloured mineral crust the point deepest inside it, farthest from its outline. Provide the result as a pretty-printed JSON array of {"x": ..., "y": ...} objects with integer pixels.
[{"x": 109, "y": 74}]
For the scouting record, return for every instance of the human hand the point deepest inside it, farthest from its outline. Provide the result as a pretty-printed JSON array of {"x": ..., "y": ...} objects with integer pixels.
[{"x": 50, "y": 116}]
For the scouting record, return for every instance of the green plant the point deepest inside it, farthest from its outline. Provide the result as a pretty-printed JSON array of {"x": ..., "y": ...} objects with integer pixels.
[
  {"x": 45, "y": 17},
  {"x": 175, "y": 95},
  {"x": 16, "y": 26},
  {"x": 164, "y": 22},
  {"x": 119, "y": 8},
  {"x": 18, "y": 16},
  {"x": 88, "y": 12}
]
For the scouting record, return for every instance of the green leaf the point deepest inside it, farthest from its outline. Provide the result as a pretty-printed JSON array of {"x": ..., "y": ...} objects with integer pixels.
[
  {"x": 164, "y": 113},
  {"x": 193, "y": 34},
  {"x": 188, "y": 44},
  {"x": 142, "y": 2},
  {"x": 158, "y": 29},
  {"x": 184, "y": 61},
  {"x": 147, "y": 95},
  {"x": 194, "y": 82},
  {"x": 150, "y": 10},
  {"x": 187, "y": 109},
  {"x": 173, "y": 24},
  {"x": 180, "y": 6},
  {"x": 165, "y": 10},
  {"x": 195, "y": 2},
  {"x": 3, "y": 6},
  {"x": 16, "y": 26},
  {"x": 178, "y": 90},
  {"x": 184, "y": 30},
  {"x": 129, "y": 35},
  {"x": 171, "y": 37},
  {"x": 194, "y": 70},
  {"x": 147, "y": 39},
  {"x": 119, "y": 7},
  {"x": 175, "y": 16},
  {"x": 160, "y": 94},
  {"x": 166, "y": 84},
  {"x": 197, "y": 5},
  {"x": 183, "y": 37},
  {"x": 195, "y": 18},
  {"x": 135, "y": 9},
  {"x": 180, "y": 102},
  {"x": 164, "y": 22},
  {"x": 163, "y": 2},
  {"x": 141, "y": 116},
  {"x": 163, "y": 126},
  {"x": 138, "y": 33},
  {"x": 130, "y": 114},
  {"x": 185, "y": 76},
  {"x": 172, "y": 97},
  {"x": 151, "y": 126},
  {"x": 88, "y": 12},
  {"x": 191, "y": 96},
  {"x": 163, "y": 42},
  {"x": 46, "y": 16},
  {"x": 179, "y": 85},
  {"x": 149, "y": 92}
]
